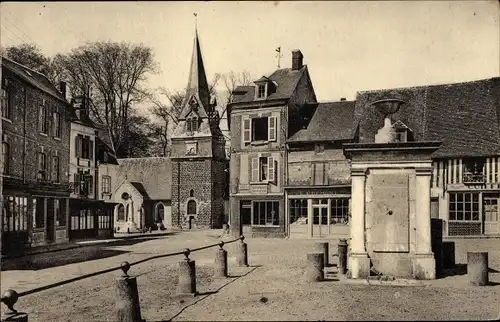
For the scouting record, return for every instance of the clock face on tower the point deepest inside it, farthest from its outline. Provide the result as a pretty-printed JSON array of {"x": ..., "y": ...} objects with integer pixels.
[{"x": 191, "y": 148}]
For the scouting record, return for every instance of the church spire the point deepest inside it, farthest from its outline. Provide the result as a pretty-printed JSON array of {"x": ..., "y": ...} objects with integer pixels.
[{"x": 197, "y": 82}]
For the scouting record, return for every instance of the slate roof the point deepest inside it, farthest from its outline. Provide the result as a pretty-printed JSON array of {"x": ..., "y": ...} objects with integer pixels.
[
  {"x": 34, "y": 78},
  {"x": 154, "y": 174},
  {"x": 140, "y": 187},
  {"x": 464, "y": 116},
  {"x": 332, "y": 121},
  {"x": 286, "y": 78}
]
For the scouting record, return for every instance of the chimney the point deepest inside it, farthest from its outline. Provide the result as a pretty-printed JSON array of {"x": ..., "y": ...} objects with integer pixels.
[
  {"x": 62, "y": 88},
  {"x": 342, "y": 99},
  {"x": 297, "y": 59}
]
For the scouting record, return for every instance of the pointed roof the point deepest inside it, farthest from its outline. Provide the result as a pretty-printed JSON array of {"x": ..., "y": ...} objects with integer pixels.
[{"x": 197, "y": 83}]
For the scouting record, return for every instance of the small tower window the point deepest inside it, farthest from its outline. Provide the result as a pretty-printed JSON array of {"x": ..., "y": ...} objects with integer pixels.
[
  {"x": 192, "y": 124},
  {"x": 191, "y": 193}
]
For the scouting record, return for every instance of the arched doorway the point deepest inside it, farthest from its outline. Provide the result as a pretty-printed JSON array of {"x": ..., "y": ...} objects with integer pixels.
[
  {"x": 121, "y": 213},
  {"x": 191, "y": 211}
]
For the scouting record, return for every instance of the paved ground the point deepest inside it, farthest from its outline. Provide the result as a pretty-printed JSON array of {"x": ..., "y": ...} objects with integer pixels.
[{"x": 273, "y": 289}]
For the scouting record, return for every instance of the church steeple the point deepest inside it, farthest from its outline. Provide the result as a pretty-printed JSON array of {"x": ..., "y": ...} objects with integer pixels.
[{"x": 197, "y": 82}]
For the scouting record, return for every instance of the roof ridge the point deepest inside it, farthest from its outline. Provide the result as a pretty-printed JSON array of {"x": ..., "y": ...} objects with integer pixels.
[
  {"x": 430, "y": 85},
  {"x": 30, "y": 69}
]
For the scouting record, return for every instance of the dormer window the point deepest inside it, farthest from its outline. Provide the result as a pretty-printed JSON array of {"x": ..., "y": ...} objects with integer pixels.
[
  {"x": 261, "y": 91},
  {"x": 403, "y": 132}
]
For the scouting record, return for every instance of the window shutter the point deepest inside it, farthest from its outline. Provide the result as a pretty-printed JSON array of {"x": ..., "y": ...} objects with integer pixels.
[
  {"x": 272, "y": 128},
  {"x": 246, "y": 130},
  {"x": 255, "y": 169},
  {"x": 91, "y": 149},
  {"x": 91, "y": 184},
  {"x": 76, "y": 183},
  {"x": 270, "y": 169},
  {"x": 77, "y": 146}
]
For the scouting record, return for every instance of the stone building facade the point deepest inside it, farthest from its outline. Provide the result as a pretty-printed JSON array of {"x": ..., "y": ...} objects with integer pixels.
[
  {"x": 36, "y": 119},
  {"x": 199, "y": 163},
  {"x": 309, "y": 193}
]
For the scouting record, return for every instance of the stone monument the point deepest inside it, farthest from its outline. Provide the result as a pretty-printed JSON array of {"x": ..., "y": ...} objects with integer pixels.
[{"x": 390, "y": 229}]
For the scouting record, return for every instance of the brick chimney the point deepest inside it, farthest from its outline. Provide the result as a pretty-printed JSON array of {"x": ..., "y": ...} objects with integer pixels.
[
  {"x": 62, "y": 88},
  {"x": 297, "y": 59},
  {"x": 342, "y": 99}
]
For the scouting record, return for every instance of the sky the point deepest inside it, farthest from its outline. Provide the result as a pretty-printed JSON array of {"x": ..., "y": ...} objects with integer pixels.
[{"x": 347, "y": 46}]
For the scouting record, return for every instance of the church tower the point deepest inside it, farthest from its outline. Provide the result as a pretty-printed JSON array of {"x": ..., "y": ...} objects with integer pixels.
[{"x": 199, "y": 164}]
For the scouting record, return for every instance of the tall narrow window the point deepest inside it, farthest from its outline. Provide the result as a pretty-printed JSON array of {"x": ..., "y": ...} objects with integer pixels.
[
  {"x": 42, "y": 166},
  {"x": 5, "y": 101},
  {"x": 106, "y": 184},
  {"x": 5, "y": 157},
  {"x": 121, "y": 213},
  {"x": 55, "y": 169},
  {"x": 42, "y": 118},
  {"x": 191, "y": 207},
  {"x": 57, "y": 125},
  {"x": 261, "y": 91}
]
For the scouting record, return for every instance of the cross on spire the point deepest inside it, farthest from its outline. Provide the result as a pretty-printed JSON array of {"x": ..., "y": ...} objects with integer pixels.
[
  {"x": 195, "y": 21},
  {"x": 279, "y": 55}
]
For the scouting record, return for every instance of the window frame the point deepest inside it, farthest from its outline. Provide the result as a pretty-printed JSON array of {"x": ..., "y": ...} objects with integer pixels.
[
  {"x": 42, "y": 166},
  {"x": 5, "y": 101},
  {"x": 56, "y": 118},
  {"x": 106, "y": 184},
  {"x": 43, "y": 121},
  {"x": 275, "y": 222},
  {"x": 56, "y": 168},
  {"x": 466, "y": 207},
  {"x": 6, "y": 157}
]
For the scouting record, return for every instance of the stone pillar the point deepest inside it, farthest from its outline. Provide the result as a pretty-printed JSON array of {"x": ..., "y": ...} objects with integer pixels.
[
  {"x": 477, "y": 268},
  {"x": 359, "y": 263},
  {"x": 315, "y": 266},
  {"x": 424, "y": 264},
  {"x": 236, "y": 228},
  {"x": 310, "y": 217}
]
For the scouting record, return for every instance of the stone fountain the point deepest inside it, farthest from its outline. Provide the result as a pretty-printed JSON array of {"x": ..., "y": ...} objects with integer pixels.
[{"x": 390, "y": 229}]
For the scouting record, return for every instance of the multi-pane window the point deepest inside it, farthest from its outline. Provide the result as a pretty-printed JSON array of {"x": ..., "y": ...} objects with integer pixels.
[
  {"x": 261, "y": 91},
  {"x": 83, "y": 183},
  {"x": 473, "y": 170},
  {"x": 55, "y": 169},
  {"x": 464, "y": 206},
  {"x": 298, "y": 211},
  {"x": 57, "y": 125},
  {"x": 5, "y": 157},
  {"x": 104, "y": 219},
  {"x": 5, "y": 101},
  {"x": 339, "y": 211},
  {"x": 82, "y": 220},
  {"x": 42, "y": 118},
  {"x": 265, "y": 213},
  {"x": 42, "y": 166},
  {"x": 15, "y": 212},
  {"x": 192, "y": 124},
  {"x": 84, "y": 147},
  {"x": 264, "y": 169},
  {"x": 106, "y": 184}
]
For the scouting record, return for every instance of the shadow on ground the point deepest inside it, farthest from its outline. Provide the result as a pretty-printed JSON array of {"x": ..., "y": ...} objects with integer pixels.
[
  {"x": 460, "y": 269},
  {"x": 123, "y": 241},
  {"x": 65, "y": 257}
]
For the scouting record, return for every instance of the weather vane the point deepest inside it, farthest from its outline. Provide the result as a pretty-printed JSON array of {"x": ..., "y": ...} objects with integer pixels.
[
  {"x": 278, "y": 55},
  {"x": 195, "y": 20}
]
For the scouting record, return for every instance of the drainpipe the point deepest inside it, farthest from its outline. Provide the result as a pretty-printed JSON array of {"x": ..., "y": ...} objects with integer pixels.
[
  {"x": 179, "y": 194},
  {"x": 24, "y": 135}
]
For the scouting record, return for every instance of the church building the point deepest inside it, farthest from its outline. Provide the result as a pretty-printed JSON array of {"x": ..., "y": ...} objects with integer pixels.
[{"x": 199, "y": 164}]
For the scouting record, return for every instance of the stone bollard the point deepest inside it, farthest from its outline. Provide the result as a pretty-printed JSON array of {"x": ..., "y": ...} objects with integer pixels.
[
  {"x": 342, "y": 256},
  {"x": 242, "y": 255},
  {"x": 324, "y": 248},
  {"x": 187, "y": 276},
  {"x": 477, "y": 268},
  {"x": 9, "y": 298},
  {"x": 220, "y": 269},
  {"x": 315, "y": 266},
  {"x": 127, "y": 297}
]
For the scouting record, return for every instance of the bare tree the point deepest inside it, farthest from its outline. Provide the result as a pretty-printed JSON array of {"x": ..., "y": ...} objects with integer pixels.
[
  {"x": 231, "y": 81},
  {"x": 112, "y": 74}
]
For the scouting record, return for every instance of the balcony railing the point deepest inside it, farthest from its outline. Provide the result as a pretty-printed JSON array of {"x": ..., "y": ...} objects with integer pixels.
[{"x": 473, "y": 178}]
